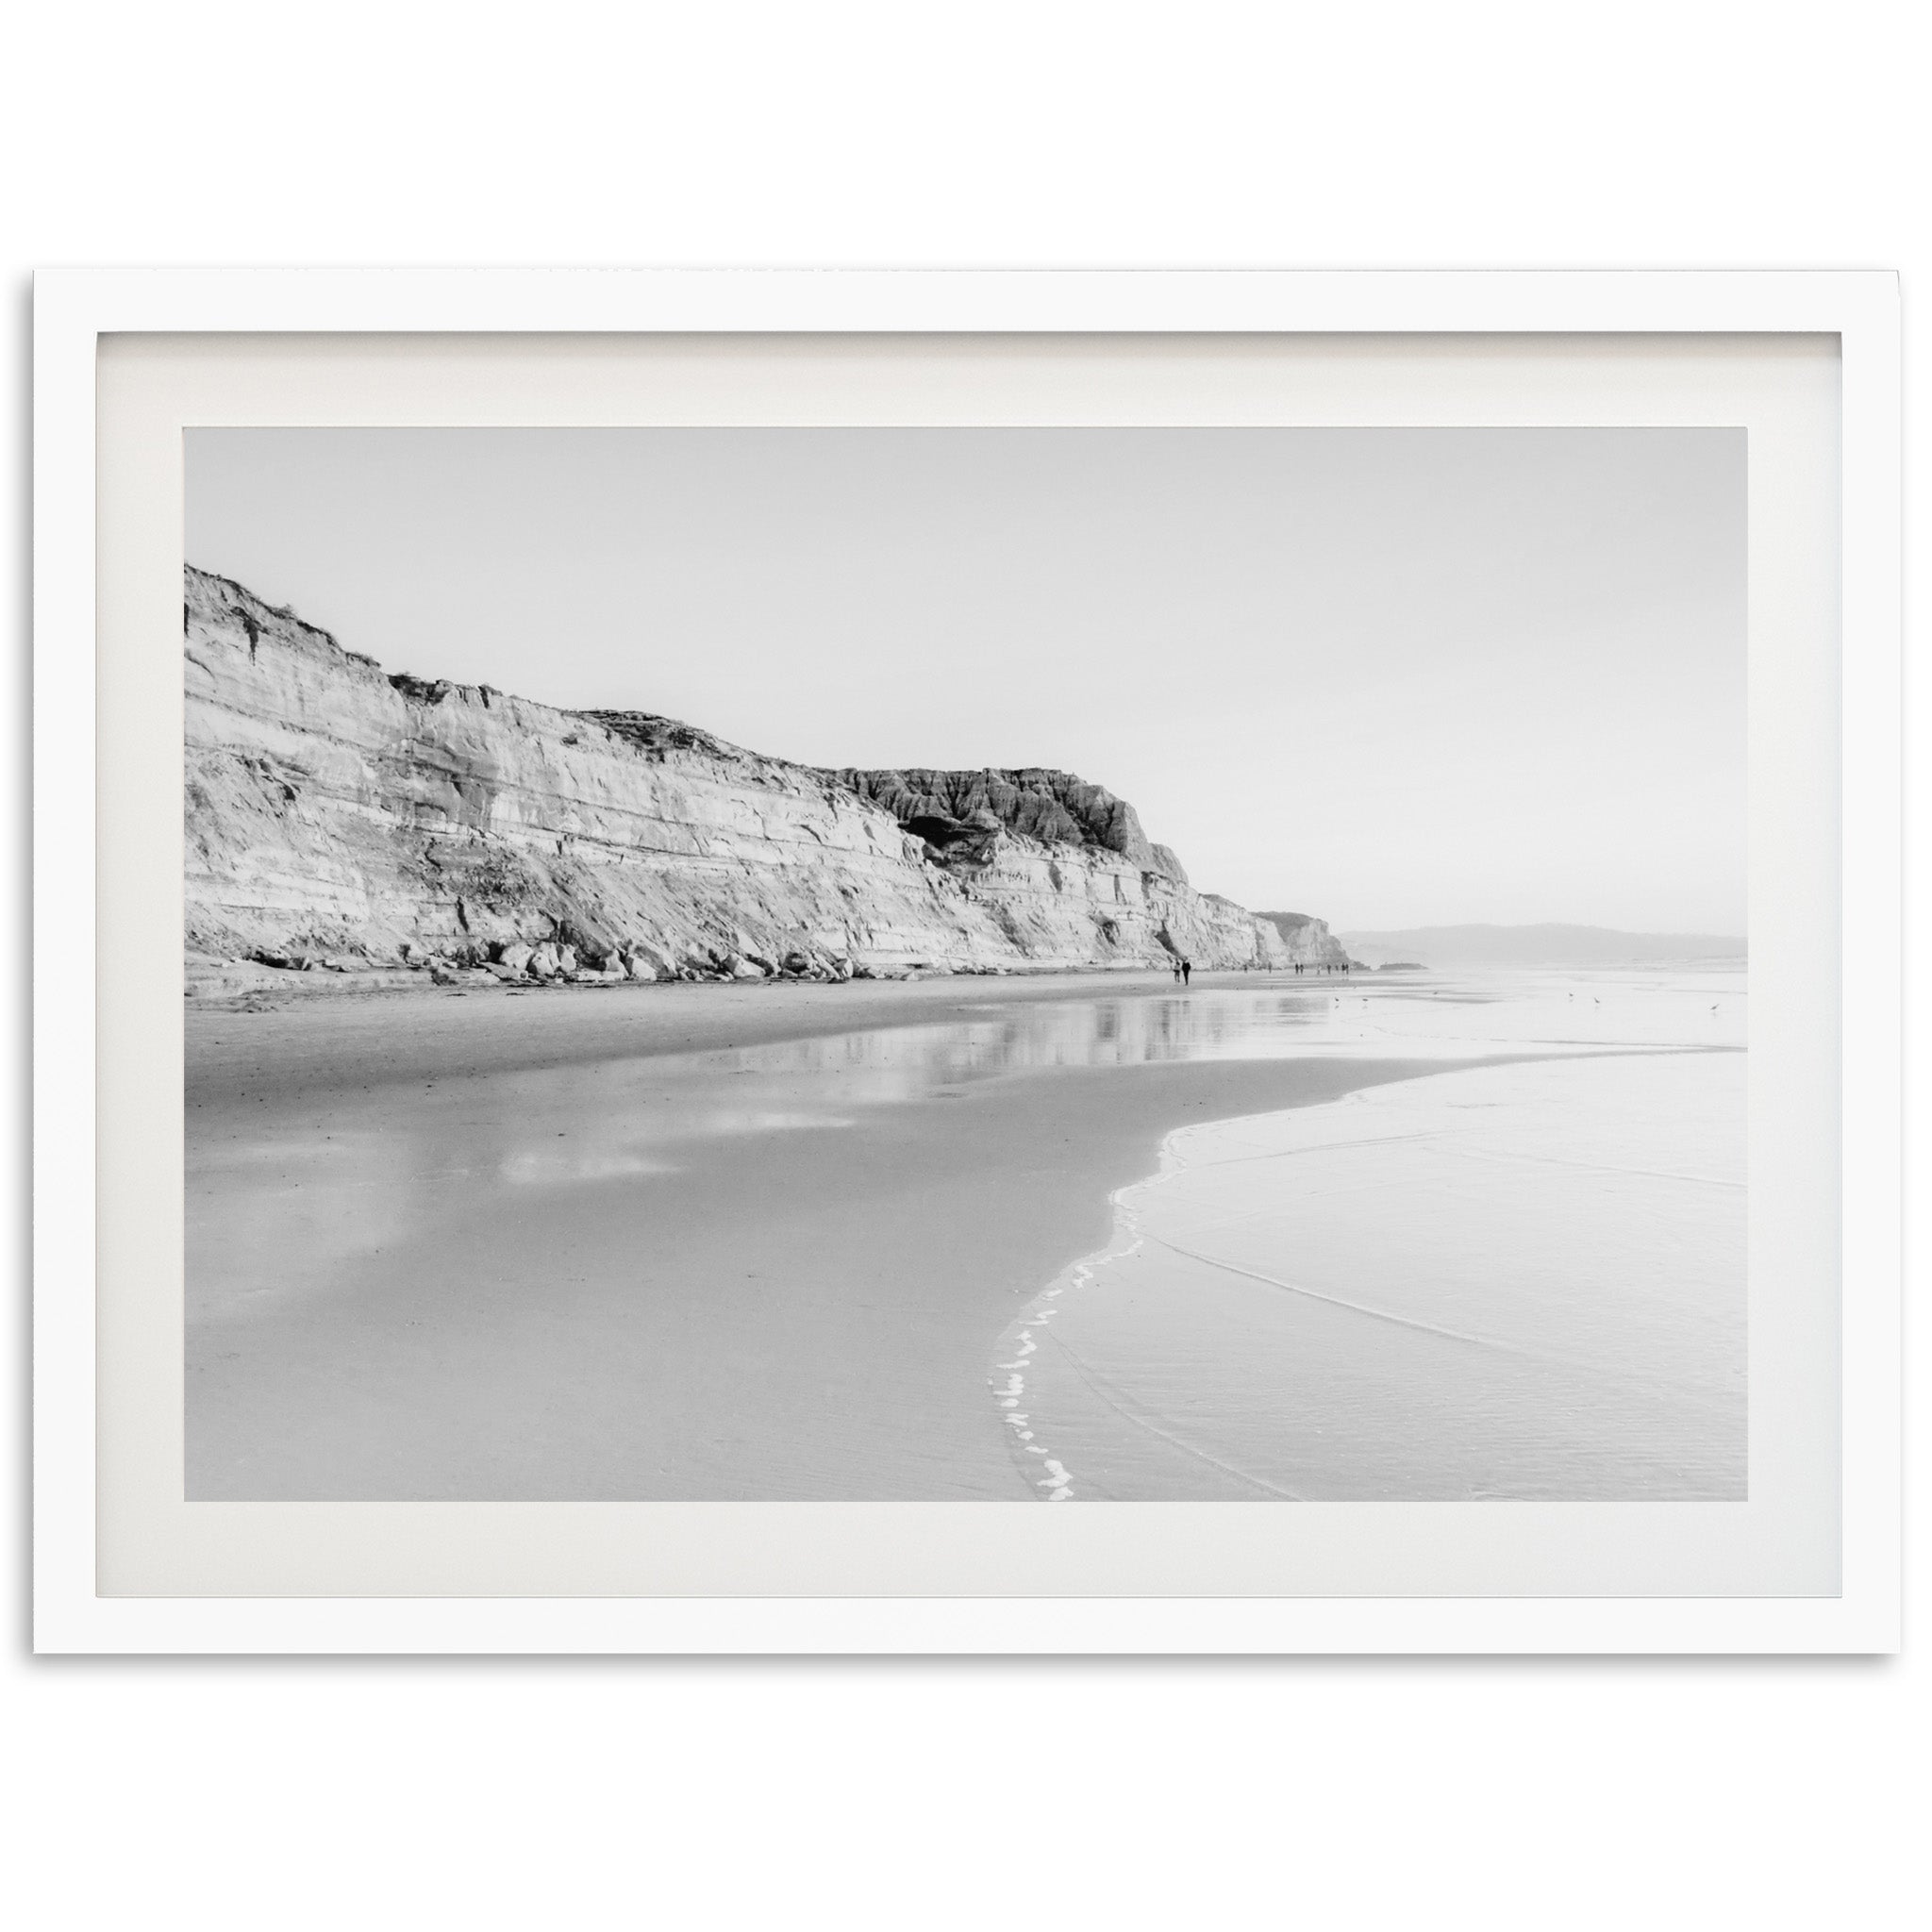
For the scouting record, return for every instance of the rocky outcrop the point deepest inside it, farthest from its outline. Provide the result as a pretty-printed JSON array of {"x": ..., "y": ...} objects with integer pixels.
[
  {"x": 1309, "y": 941},
  {"x": 342, "y": 818},
  {"x": 956, "y": 813}
]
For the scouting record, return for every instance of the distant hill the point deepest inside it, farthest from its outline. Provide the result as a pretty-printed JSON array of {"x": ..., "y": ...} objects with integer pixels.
[{"x": 1445, "y": 946}]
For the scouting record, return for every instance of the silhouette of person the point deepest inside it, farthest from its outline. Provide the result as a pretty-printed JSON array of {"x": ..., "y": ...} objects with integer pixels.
[
  {"x": 1177, "y": 972},
  {"x": 1187, "y": 972}
]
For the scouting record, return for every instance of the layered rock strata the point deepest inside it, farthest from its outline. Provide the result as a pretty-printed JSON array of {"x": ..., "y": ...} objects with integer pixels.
[
  {"x": 1309, "y": 939},
  {"x": 341, "y": 816},
  {"x": 957, "y": 812}
]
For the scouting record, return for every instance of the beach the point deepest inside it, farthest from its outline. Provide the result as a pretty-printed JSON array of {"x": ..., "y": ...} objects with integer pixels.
[{"x": 716, "y": 1242}]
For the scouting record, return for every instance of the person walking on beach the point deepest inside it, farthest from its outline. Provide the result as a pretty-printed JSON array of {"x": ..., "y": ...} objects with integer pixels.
[
  {"x": 1187, "y": 972},
  {"x": 1177, "y": 972}
]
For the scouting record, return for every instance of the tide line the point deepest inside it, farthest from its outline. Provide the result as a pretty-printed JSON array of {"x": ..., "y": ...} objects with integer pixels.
[{"x": 1337, "y": 1301}]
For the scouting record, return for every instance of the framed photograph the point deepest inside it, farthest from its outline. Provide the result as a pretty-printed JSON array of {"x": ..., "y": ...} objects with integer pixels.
[{"x": 966, "y": 962}]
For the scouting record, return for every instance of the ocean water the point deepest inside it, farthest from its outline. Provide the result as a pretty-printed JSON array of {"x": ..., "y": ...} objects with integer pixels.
[{"x": 1521, "y": 1280}]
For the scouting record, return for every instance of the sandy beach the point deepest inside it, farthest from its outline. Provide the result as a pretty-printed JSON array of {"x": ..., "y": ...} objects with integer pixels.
[
  {"x": 592, "y": 1244},
  {"x": 316, "y": 1036},
  {"x": 782, "y": 1242}
]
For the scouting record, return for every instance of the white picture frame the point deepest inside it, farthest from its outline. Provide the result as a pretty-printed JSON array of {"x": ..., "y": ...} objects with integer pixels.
[{"x": 76, "y": 309}]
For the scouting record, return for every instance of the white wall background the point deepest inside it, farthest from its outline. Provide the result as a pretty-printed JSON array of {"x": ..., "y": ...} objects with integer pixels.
[{"x": 907, "y": 1795}]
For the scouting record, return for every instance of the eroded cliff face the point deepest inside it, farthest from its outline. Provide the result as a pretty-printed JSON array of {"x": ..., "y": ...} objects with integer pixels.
[
  {"x": 338, "y": 815},
  {"x": 954, "y": 812},
  {"x": 1306, "y": 938}
]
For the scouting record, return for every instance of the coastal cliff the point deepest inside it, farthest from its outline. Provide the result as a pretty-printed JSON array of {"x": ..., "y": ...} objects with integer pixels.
[
  {"x": 341, "y": 816},
  {"x": 1307, "y": 939}
]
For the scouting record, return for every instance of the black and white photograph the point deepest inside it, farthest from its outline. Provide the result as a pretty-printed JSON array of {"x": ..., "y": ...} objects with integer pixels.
[
  {"x": 1046, "y": 965},
  {"x": 963, "y": 968}
]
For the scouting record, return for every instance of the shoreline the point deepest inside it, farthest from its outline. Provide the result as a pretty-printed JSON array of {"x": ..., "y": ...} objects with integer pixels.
[
  {"x": 701, "y": 1243},
  {"x": 326, "y": 1042},
  {"x": 484, "y": 1287},
  {"x": 1131, "y": 1374}
]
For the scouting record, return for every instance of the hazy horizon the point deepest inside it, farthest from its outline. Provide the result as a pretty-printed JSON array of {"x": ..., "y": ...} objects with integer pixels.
[
  {"x": 1526, "y": 925},
  {"x": 1392, "y": 679},
  {"x": 1530, "y": 948}
]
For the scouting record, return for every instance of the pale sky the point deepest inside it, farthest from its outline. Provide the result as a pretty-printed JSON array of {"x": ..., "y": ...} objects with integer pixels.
[{"x": 1392, "y": 677}]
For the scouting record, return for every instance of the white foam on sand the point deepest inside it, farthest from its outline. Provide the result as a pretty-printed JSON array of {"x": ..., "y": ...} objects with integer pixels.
[{"x": 1519, "y": 1281}]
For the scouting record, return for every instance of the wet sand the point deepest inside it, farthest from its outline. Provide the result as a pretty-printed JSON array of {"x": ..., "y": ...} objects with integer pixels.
[
  {"x": 336, "y": 1039},
  {"x": 580, "y": 1244}
]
